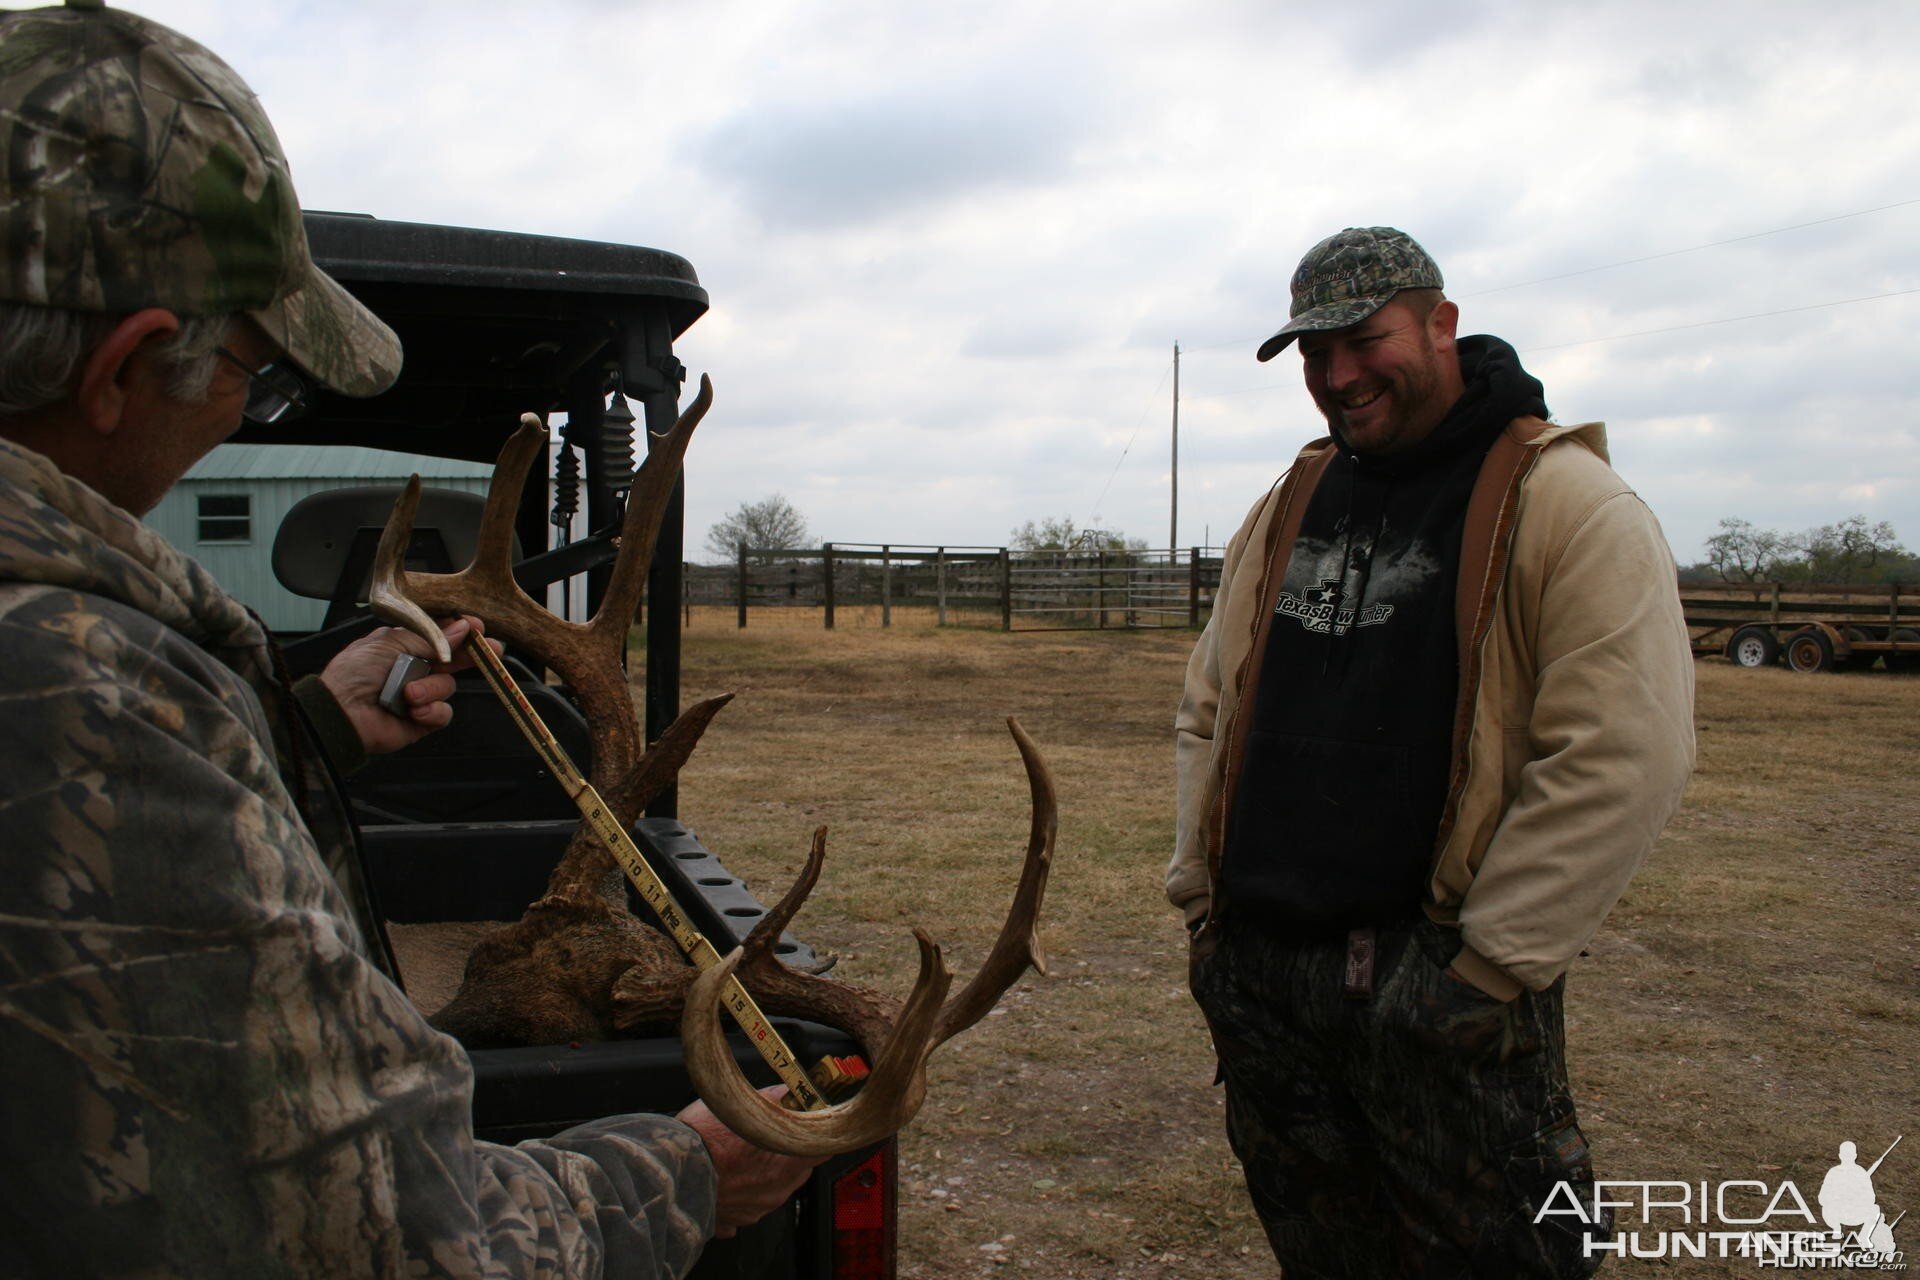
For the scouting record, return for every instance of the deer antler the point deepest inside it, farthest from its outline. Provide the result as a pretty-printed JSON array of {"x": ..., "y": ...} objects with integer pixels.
[
  {"x": 898, "y": 1085},
  {"x": 585, "y": 654},
  {"x": 578, "y": 965}
]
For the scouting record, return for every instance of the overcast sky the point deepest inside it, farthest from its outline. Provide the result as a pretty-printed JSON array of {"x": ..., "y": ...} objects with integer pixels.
[{"x": 950, "y": 248}]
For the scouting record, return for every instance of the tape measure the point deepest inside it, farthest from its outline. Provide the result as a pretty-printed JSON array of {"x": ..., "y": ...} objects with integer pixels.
[{"x": 802, "y": 1093}]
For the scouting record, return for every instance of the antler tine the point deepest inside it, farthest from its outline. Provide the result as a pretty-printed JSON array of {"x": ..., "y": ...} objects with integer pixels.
[
  {"x": 664, "y": 757},
  {"x": 768, "y": 930},
  {"x": 385, "y": 592},
  {"x": 891, "y": 1096},
  {"x": 1018, "y": 945},
  {"x": 898, "y": 1082},
  {"x": 493, "y": 546},
  {"x": 486, "y": 586},
  {"x": 646, "y": 504},
  {"x": 588, "y": 867},
  {"x": 642, "y": 997}
]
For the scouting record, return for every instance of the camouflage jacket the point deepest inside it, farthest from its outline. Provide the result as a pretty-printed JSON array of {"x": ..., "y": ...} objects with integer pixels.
[{"x": 202, "y": 1068}]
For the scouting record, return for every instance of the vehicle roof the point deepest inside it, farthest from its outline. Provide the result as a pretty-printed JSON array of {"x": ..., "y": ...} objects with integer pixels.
[
  {"x": 357, "y": 248},
  {"x": 493, "y": 324}
]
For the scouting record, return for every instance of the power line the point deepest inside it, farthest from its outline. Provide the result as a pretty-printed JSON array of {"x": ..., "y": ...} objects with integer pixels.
[
  {"x": 1617, "y": 337},
  {"x": 1215, "y": 346},
  {"x": 1702, "y": 324},
  {"x": 1094, "y": 519},
  {"x": 1629, "y": 262},
  {"x": 1237, "y": 391},
  {"x": 1674, "y": 253}
]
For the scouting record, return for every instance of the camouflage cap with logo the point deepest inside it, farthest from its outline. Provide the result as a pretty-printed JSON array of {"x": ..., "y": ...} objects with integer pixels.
[
  {"x": 140, "y": 171},
  {"x": 1347, "y": 277}
]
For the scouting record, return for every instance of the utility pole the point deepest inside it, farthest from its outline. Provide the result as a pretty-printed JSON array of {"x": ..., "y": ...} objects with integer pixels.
[{"x": 1173, "y": 518}]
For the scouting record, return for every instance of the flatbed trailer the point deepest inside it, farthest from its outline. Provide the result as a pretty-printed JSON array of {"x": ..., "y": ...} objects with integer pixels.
[{"x": 1807, "y": 625}]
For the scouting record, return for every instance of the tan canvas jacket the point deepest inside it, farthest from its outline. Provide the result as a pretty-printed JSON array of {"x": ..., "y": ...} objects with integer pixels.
[{"x": 1573, "y": 736}]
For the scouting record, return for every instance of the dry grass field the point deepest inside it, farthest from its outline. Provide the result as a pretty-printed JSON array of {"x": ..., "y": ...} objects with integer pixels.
[{"x": 1754, "y": 1000}]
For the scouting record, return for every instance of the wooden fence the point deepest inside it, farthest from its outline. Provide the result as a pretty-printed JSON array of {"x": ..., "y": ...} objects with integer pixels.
[
  {"x": 1055, "y": 591},
  {"x": 962, "y": 586}
]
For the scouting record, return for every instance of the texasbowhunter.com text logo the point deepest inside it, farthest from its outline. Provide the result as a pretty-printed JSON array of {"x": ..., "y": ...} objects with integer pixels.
[
  {"x": 1845, "y": 1227},
  {"x": 1322, "y": 610}
]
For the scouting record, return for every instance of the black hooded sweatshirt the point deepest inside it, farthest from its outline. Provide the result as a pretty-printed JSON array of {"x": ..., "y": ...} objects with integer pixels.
[{"x": 1346, "y": 763}]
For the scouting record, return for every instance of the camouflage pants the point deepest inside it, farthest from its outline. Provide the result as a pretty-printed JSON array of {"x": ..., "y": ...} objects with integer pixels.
[{"x": 1412, "y": 1132}]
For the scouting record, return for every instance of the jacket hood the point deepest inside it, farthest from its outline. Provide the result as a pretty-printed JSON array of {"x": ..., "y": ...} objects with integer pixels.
[
  {"x": 1591, "y": 434},
  {"x": 1498, "y": 390},
  {"x": 57, "y": 532}
]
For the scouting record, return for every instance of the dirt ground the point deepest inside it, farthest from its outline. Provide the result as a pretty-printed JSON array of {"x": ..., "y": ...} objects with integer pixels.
[{"x": 1753, "y": 1000}]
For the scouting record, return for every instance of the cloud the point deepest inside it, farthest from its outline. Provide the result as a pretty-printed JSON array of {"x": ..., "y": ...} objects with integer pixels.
[
  {"x": 950, "y": 248},
  {"x": 1025, "y": 337},
  {"x": 847, "y": 161}
]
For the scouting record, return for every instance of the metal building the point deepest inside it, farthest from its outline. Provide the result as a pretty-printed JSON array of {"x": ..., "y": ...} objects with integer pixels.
[{"x": 226, "y": 510}]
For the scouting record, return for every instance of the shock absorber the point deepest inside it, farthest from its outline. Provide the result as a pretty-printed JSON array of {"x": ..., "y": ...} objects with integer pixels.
[
  {"x": 566, "y": 489},
  {"x": 616, "y": 445}
]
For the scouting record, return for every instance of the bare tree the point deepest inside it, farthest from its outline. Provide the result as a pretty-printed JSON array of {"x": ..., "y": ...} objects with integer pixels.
[
  {"x": 1742, "y": 553},
  {"x": 772, "y": 523},
  {"x": 1850, "y": 551},
  {"x": 1060, "y": 533}
]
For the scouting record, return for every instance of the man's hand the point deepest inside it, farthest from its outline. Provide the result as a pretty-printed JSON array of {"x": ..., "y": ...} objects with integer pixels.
[
  {"x": 1461, "y": 978},
  {"x": 752, "y": 1182},
  {"x": 358, "y": 673}
]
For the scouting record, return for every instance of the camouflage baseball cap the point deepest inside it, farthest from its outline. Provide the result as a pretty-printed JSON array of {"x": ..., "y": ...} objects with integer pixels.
[
  {"x": 139, "y": 171},
  {"x": 1347, "y": 277}
]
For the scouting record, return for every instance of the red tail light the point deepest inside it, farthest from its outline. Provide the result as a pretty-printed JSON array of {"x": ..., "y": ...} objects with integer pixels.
[{"x": 863, "y": 1219}]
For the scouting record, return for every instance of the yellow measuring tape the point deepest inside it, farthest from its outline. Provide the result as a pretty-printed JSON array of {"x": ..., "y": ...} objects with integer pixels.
[{"x": 801, "y": 1093}]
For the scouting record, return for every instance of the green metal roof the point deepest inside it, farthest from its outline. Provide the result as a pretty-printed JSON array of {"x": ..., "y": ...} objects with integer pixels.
[{"x": 328, "y": 462}]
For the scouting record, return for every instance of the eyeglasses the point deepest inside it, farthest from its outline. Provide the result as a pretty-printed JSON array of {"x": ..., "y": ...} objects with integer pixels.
[{"x": 275, "y": 391}]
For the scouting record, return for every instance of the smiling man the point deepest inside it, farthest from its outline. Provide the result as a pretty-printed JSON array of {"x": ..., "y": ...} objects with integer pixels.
[{"x": 1441, "y": 711}]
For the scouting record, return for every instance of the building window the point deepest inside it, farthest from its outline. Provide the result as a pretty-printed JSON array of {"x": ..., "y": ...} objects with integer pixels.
[{"x": 226, "y": 517}]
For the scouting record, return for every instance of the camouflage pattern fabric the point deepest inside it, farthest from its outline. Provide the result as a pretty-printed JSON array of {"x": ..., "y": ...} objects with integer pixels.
[
  {"x": 1349, "y": 276},
  {"x": 203, "y": 1070},
  {"x": 139, "y": 171},
  {"x": 1411, "y": 1134}
]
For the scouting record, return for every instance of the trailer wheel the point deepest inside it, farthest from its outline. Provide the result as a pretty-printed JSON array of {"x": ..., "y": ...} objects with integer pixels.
[
  {"x": 1810, "y": 650},
  {"x": 1905, "y": 661},
  {"x": 1753, "y": 647}
]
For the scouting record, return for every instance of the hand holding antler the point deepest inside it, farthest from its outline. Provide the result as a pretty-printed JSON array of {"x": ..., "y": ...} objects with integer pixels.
[{"x": 356, "y": 675}]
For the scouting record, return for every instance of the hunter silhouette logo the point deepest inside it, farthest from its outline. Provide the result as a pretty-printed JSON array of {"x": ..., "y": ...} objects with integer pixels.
[
  {"x": 1847, "y": 1202},
  {"x": 1671, "y": 1219}
]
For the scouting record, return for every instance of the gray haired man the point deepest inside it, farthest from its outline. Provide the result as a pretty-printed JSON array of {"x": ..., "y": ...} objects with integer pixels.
[
  {"x": 205, "y": 1069},
  {"x": 1442, "y": 709}
]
